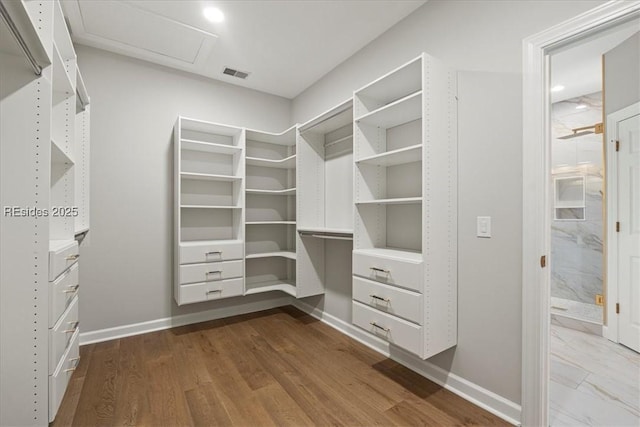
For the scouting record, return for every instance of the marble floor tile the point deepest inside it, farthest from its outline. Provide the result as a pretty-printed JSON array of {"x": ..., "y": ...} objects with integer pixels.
[{"x": 594, "y": 382}]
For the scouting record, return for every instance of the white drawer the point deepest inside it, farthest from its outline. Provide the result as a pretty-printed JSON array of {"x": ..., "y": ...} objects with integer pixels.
[
  {"x": 397, "y": 331},
  {"x": 392, "y": 271},
  {"x": 62, "y": 291},
  {"x": 59, "y": 380},
  {"x": 390, "y": 299},
  {"x": 194, "y": 252},
  {"x": 211, "y": 271},
  {"x": 208, "y": 291},
  {"x": 62, "y": 333},
  {"x": 62, "y": 255}
]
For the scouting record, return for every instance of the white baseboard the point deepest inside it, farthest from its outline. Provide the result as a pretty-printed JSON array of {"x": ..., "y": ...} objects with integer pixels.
[
  {"x": 497, "y": 405},
  {"x": 180, "y": 320}
]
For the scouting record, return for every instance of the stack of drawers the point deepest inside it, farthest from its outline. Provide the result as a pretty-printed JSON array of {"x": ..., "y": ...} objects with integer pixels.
[
  {"x": 210, "y": 270},
  {"x": 64, "y": 325},
  {"x": 388, "y": 298}
]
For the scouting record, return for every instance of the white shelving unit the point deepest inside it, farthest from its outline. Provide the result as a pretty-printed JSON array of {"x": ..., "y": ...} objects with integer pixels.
[
  {"x": 209, "y": 210},
  {"x": 45, "y": 164},
  {"x": 270, "y": 248},
  {"x": 405, "y": 170},
  {"x": 325, "y": 200}
]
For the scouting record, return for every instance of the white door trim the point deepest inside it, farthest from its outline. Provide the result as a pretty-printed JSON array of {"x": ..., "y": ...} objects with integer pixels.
[
  {"x": 536, "y": 197},
  {"x": 611, "y": 131}
]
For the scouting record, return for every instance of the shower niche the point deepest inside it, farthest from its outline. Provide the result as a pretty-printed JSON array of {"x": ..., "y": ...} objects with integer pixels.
[{"x": 569, "y": 201}]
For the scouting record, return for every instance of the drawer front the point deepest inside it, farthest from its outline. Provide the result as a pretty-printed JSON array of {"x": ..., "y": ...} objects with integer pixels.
[
  {"x": 222, "y": 251},
  {"x": 59, "y": 380},
  {"x": 209, "y": 291},
  {"x": 387, "y": 270},
  {"x": 61, "y": 259},
  {"x": 62, "y": 333},
  {"x": 390, "y": 328},
  {"x": 62, "y": 292},
  {"x": 211, "y": 271},
  {"x": 390, "y": 299}
]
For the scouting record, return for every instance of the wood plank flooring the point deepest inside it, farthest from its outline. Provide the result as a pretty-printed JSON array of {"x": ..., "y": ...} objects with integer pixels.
[{"x": 279, "y": 367}]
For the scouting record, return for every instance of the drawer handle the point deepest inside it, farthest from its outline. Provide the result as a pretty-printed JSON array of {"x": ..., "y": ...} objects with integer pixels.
[
  {"x": 214, "y": 291},
  {"x": 380, "y": 270},
  {"x": 74, "y": 327},
  {"x": 375, "y": 325},
  {"x": 73, "y": 257},
  {"x": 213, "y": 253},
  {"x": 72, "y": 289},
  {"x": 214, "y": 272},
  {"x": 75, "y": 359},
  {"x": 387, "y": 300}
]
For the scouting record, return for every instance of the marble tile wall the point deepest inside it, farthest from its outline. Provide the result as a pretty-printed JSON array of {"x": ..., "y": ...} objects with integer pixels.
[{"x": 577, "y": 245}]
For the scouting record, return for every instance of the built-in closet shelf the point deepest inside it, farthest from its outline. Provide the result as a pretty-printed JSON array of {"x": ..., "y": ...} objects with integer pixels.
[
  {"x": 270, "y": 223},
  {"x": 58, "y": 155},
  {"x": 196, "y": 243},
  {"x": 210, "y": 177},
  {"x": 404, "y": 110},
  {"x": 392, "y": 253},
  {"x": 397, "y": 201},
  {"x": 286, "y": 138},
  {"x": 209, "y": 207},
  {"x": 209, "y": 147},
  {"x": 280, "y": 254},
  {"x": 272, "y": 285},
  {"x": 79, "y": 231},
  {"x": 286, "y": 163},
  {"x": 395, "y": 157},
  {"x": 397, "y": 84},
  {"x": 285, "y": 192},
  {"x": 325, "y": 230},
  {"x": 58, "y": 245},
  {"x": 62, "y": 85}
]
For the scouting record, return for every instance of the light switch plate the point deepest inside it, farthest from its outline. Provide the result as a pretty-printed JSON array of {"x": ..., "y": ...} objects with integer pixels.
[{"x": 484, "y": 226}]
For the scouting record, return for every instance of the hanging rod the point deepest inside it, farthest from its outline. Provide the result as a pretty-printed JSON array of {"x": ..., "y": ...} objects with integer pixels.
[
  {"x": 31, "y": 56},
  {"x": 338, "y": 141},
  {"x": 325, "y": 236},
  {"x": 339, "y": 110}
]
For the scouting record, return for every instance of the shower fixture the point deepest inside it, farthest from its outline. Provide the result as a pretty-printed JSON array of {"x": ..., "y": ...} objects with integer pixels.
[{"x": 585, "y": 130}]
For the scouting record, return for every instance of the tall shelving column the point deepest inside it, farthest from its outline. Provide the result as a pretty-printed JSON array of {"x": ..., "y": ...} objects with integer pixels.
[
  {"x": 209, "y": 211},
  {"x": 82, "y": 156},
  {"x": 325, "y": 198},
  {"x": 270, "y": 256},
  {"x": 405, "y": 191}
]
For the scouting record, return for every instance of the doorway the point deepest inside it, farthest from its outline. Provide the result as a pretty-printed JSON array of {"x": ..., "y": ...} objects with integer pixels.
[{"x": 539, "y": 191}]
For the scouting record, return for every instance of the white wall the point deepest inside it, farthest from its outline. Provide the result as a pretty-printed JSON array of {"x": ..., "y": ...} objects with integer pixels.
[
  {"x": 482, "y": 39},
  {"x": 622, "y": 68},
  {"x": 126, "y": 262}
]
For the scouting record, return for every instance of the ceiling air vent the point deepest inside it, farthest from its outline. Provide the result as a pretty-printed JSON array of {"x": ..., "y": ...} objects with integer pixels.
[{"x": 235, "y": 73}]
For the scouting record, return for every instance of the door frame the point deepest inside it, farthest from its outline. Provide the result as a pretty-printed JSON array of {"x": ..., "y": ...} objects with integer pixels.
[
  {"x": 611, "y": 331},
  {"x": 536, "y": 186}
]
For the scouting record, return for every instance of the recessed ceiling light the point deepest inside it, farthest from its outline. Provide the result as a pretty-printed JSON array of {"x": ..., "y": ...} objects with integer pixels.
[
  {"x": 557, "y": 88},
  {"x": 581, "y": 107},
  {"x": 213, "y": 14}
]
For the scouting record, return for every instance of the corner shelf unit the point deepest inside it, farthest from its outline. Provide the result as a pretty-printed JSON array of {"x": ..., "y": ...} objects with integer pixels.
[
  {"x": 209, "y": 211},
  {"x": 270, "y": 247},
  {"x": 405, "y": 217},
  {"x": 325, "y": 200}
]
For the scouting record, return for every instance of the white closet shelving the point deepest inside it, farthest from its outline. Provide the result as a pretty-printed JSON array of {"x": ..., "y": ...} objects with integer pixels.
[
  {"x": 325, "y": 201},
  {"x": 404, "y": 257},
  {"x": 45, "y": 164},
  {"x": 270, "y": 247},
  {"x": 209, "y": 211}
]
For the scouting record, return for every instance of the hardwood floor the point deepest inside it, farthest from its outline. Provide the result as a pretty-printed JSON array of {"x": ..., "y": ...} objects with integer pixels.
[{"x": 279, "y": 367}]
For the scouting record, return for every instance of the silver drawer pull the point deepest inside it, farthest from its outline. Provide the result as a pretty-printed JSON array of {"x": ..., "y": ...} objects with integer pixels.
[
  {"x": 74, "y": 327},
  {"x": 379, "y": 270},
  {"x": 387, "y": 300},
  {"x": 375, "y": 325},
  {"x": 214, "y": 291},
  {"x": 73, "y": 257},
  {"x": 75, "y": 359},
  {"x": 214, "y": 272},
  {"x": 213, "y": 253},
  {"x": 72, "y": 289}
]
